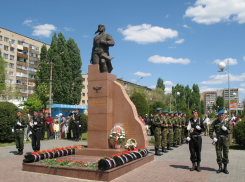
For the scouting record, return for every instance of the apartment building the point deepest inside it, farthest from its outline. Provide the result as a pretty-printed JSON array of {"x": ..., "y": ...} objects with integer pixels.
[{"x": 22, "y": 56}]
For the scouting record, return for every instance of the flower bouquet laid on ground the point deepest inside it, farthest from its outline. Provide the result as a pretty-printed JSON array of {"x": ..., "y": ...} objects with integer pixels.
[{"x": 117, "y": 136}]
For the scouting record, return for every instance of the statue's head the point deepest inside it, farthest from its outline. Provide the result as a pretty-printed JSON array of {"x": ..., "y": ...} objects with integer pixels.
[{"x": 101, "y": 28}]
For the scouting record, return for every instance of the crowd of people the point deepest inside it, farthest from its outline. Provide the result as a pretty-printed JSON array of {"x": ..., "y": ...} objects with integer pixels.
[{"x": 32, "y": 128}]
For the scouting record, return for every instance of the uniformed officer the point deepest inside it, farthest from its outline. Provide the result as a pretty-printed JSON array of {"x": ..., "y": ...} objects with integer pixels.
[
  {"x": 19, "y": 125},
  {"x": 170, "y": 131},
  {"x": 157, "y": 125},
  {"x": 36, "y": 131},
  {"x": 195, "y": 140},
  {"x": 175, "y": 122},
  {"x": 77, "y": 125},
  {"x": 27, "y": 130},
  {"x": 43, "y": 120},
  {"x": 184, "y": 130},
  {"x": 222, "y": 129},
  {"x": 180, "y": 127},
  {"x": 164, "y": 131}
]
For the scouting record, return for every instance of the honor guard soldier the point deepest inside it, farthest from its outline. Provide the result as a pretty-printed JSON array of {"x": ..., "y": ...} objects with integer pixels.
[
  {"x": 180, "y": 127},
  {"x": 175, "y": 122},
  {"x": 36, "y": 131},
  {"x": 157, "y": 125},
  {"x": 18, "y": 131},
  {"x": 170, "y": 131},
  {"x": 222, "y": 129},
  {"x": 43, "y": 120},
  {"x": 195, "y": 140},
  {"x": 77, "y": 125},
  {"x": 184, "y": 126},
  {"x": 164, "y": 131}
]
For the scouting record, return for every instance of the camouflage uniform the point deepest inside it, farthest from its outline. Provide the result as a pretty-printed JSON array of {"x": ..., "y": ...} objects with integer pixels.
[
  {"x": 164, "y": 130},
  {"x": 19, "y": 132},
  {"x": 223, "y": 140},
  {"x": 157, "y": 132},
  {"x": 184, "y": 129},
  {"x": 180, "y": 129},
  {"x": 175, "y": 122},
  {"x": 170, "y": 133}
]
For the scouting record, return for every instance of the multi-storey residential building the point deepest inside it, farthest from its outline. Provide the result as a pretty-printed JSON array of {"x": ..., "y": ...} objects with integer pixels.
[
  {"x": 22, "y": 55},
  {"x": 209, "y": 100}
]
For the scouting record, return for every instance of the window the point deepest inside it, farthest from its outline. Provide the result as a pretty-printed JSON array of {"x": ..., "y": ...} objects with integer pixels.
[
  {"x": 25, "y": 53},
  {"x": 11, "y": 57},
  {"x": 24, "y": 68},
  {"x": 18, "y": 82},
  {"x": 12, "y": 41},
  {"x": 25, "y": 44},
  {"x": 1, "y": 38},
  {"x": 33, "y": 62},
  {"x": 11, "y": 49},
  {"x": 20, "y": 43},
  {"x": 6, "y": 39},
  {"x": 33, "y": 54},
  {"x": 11, "y": 73},
  {"x": 6, "y": 56},
  {"x": 23, "y": 98},
  {"x": 23, "y": 90},
  {"x": 83, "y": 94},
  {"x": 83, "y": 87},
  {"x": 21, "y": 59},
  {"x": 11, "y": 81},
  {"x": 32, "y": 69},
  {"x": 32, "y": 76},
  {"x": 31, "y": 84},
  {"x": 31, "y": 91},
  {"x": 3, "y": 97},
  {"x": 83, "y": 101},
  {"x": 20, "y": 51},
  {"x": 0, "y": 46},
  {"x": 10, "y": 98},
  {"x": 19, "y": 66},
  {"x": 18, "y": 73},
  {"x": 6, "y": 48}
]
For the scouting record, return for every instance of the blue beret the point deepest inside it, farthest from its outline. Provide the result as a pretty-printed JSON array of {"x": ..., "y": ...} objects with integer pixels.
[
  {"x": 183, "y": 113},
  {"x": 170, "y": 112},
  {"x": 158, "y": 109},
  {"x": 221, "y": 112},
  {"x": 165, "y": 111},
  {"x": 180, "y": 112},
  {"x": 19, "y": 111},
  {"x": 175, "y": 112}
]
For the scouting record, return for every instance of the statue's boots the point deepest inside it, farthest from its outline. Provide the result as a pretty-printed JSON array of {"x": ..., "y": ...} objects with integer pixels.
[
  {"x": 220, "y": 169},
  {"x": 225, "y": 169},
  {"x": 193, "y": 166},
  {"x": 198, "y": 167}
]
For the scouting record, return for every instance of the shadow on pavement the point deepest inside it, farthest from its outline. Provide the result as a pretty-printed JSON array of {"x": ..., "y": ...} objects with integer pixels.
[
  {"x": 13, "y": 152},
  {"x": 188, "y": 168}
]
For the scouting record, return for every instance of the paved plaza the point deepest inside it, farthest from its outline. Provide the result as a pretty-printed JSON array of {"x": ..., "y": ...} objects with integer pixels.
[{"x": 173, "y": 166}]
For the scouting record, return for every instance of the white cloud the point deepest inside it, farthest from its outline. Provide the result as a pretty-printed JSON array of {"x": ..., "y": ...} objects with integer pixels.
[
  {"x": 68, "y": 29},
  {"x": 241, "y": 90},
  {"x": 180, "y": 41},
  {"x": 244, "y": 58},
  {"x": 168, "y": 83},
  {"x": 152, "y": 87},
  {"x": 133, "y": 80},
  {"x": 207, "y": 89},
  {"x": 142, "y": 74},
  {"x": 188, "y": 3},
  {"x": 27, "y": 22},
  {"x": 168, "y": 89},
  {"x": 43, "y": 30},
  {"x": 145, "y": 33},
  {"x": 186, "y": 26},
  {"x": 167, "y": 60},
  {"x": 242, "y": 84},
  {"x": 215, "y": 11},
  {"x": 219, "y": 79},
  {"x": 166, "y": 16},
  {"x": 231, "y": 61},
  {"x": 172, "y": 47},
  {"x": 85, "y": 36}
]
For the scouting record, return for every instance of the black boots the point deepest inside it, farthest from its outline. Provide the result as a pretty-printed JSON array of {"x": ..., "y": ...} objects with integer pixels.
[
  {"x": 225, "y": 169},
  {"x": 193, "y": 166},
  {"x": 220, "y": 168},
  {"x": 21, "y": 151},
  {"x": 164, "y": 150},
  {"x": 18, "y": 153},
  {"x": 168, "y": 147},
  {"x": 176, "y": 146},
  {"x": 157, "y": 152},
  {"x": 198, "y": 167}
]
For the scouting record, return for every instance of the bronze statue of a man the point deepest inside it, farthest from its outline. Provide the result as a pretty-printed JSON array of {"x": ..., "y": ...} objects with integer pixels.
[{"x": 100, "y": 50}]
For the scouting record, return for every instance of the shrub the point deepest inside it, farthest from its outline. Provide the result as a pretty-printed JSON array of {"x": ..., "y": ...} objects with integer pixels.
[
  {"x": 140, "y": 103},
  {"x": 7, "y": 119},
  {"x": 240, "y": 133},
  {"x": 156, "y": 105}
]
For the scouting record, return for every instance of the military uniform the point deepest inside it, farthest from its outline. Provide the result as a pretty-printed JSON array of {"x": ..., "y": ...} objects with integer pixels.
[
  {"x": 175, "y": 122},
  {"x": 184, "y": 129},
  {"x": 222, "y": 143},
  {"x": 19, "y": 125},
  {"x": 164, "y": 132},
  {"x": 170, "y": 133},
  {"x": 158, "y": 120},
  {"x": 27, "y": 128},
  {"x": 77, "y": 126},
  {"x": 43, "y": 120},
  {"x": 36, "y": 133}
]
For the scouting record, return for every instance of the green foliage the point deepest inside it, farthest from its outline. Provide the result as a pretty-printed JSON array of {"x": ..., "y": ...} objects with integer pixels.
[
  {"x": 160, "y": 84},
  {"x": 156, "y": 105},
  {"x": 2, "y": 74},
  {"x": 7, "y": 119},
  {"x": 85, "y": 123},
  {"x": 11, "y": 92},
  {"x": 202, "y": 107},
  {"x": 187, "y": 95},
  {"x": 219, "y": 103},
  {"x": 140, "y": 103},
  {"x": 240, "y": 133},
  {"x": 187, "y": 111},
  {"x": 42, "y": 92},
  {"x": 33, "y": 103},
  {"x": 195, "y": 98},
  {"x": 180, "y": 99},
  {"x": 155, "y": 95}
]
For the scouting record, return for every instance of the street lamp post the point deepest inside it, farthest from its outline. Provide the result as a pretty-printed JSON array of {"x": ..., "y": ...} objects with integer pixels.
[
  {"x": 50, "y": 82},
  {"x": 222, "y": 66},
  {"x": 176, "y": 93}
]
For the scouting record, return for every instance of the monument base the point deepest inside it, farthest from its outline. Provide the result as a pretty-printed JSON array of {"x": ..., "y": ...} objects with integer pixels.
[
  {"x": 99, "y": 152},
  {"x": 91, "y": 174}
]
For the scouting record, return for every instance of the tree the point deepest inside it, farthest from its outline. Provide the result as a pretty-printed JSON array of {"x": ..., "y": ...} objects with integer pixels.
[
  {"x": 155, "y": 95},
  {"x": 179, "y": 99},
  {"x": 76, "y": 76},
  {"x": 156, "y": 105},
  {"x": 11, "y": 92},
  {"x": 33, "y": 103},
  {"x": 187, "y": 95},
  {"x": 160, "y": 84},
  {"x": 42, "y": 92},
  {"x": 219, "y": 103},
  {"x": 202, "y": 107},
  {"x": 2, "y": 74},
  {"x": 140, "y": 103},
  {"x": 187, "y": 111},
  {"x": 195, "y": 98}
]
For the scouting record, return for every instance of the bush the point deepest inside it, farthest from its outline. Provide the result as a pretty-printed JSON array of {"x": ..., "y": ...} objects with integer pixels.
[
  {"x": 240, "y": 133},
  {"x": 7, "y": 119},
  {"x": 140, "y": 103},
  {"x": 156, "y": 105}
]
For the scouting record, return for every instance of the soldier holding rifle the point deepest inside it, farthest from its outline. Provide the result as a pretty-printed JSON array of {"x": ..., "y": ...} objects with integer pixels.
[{"x": 157, "y": 122}]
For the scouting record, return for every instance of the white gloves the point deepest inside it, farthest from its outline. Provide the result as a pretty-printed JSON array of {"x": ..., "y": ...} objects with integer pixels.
[
  {"x": 198, "y": 127},
  {"x": 18, "y": 123},
  {"x": 35, "y": 123},
  {"x": 79, "y": 126},
  {"x": 188, "y": 139},
  {"x": 224, "y": 128},
  {"x": 215, "y": 139},
  {"x": 30, "y": 124},
  {"x": 30, "y": 133},
  {"x": 12, "y": 130}
]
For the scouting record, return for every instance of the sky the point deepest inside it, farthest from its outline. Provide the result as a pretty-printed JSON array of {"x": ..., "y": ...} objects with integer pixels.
[{"x": 180, "y": 41}]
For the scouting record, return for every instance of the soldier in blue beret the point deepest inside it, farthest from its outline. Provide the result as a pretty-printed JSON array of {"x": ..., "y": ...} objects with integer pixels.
[{"x": 157, "y": 122}]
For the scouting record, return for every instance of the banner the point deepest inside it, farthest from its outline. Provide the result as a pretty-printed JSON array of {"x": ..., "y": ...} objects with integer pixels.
[{"x": 236, "y": 106}]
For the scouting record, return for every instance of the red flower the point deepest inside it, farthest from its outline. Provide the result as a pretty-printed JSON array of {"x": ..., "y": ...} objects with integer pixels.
[
  {"x": 62, "y": 148},
  {"x": 97, "y": 164},
  {"x": 57, "y": 148},
  {"x": 48, "y": 151},
  {"x": 67, "y": 148},
  {"x": 39, "y": 152},
  {"x": 59, "y": 160},
  {"x": 75, "y": 146},
  {"x": 54, "y": 150},
  {"x": 33, "y": 153},
  {"x": 142, "y": 147},
  {"x": 125, "y": 153},
  {"x": 70, "y": 147},
  {"x": 44, "y": 151}
]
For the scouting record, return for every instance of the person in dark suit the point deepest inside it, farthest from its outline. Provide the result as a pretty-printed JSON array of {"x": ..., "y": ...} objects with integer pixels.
[
  {"x": 77, "y": 125},
  {"x": 36, "y": 131},
  {"x": 43, "y": 120}
]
